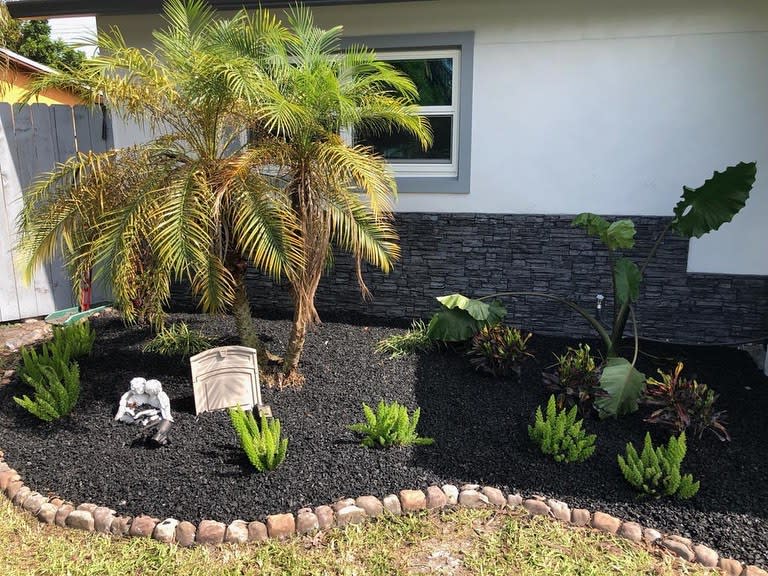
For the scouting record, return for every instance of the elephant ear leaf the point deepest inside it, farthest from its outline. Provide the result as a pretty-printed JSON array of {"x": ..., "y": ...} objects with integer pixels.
[
  {"x": 618, "y": 234},
  {"x": 717, "y": 201},
  {"x": 462, "y": 317},
  {"x": 593, "y": 224},
  {"x": 482, "y": 312},
  {"x": 627, "y": 277},
  {"x": 452, "y": 325},
  {"x": 623, "y": 385}
]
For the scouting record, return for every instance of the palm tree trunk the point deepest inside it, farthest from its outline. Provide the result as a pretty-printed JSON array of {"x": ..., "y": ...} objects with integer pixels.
[
  {"x": 246, "y": 331},
  {"x": 304, "y": 315}
]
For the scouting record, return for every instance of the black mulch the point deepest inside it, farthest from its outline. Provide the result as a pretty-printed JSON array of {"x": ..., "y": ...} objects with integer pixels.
[{"x": 479, "y": 424}]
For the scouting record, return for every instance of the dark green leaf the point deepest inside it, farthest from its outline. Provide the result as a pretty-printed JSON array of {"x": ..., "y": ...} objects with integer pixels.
[
  {"x": 627, "y": 278},
  {"x": 452, "y": 325},
  {"x": 717, "y": 201},
  {"x": 623, "y": 384}
]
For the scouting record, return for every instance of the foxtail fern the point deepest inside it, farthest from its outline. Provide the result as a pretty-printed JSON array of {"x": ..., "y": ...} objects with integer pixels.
[
  {"x": 261, "y": 441},
  {"x": 656, "y": 471},
  {"x": 56, "y": 392},
  {"x": 389, "y": 426},
  {"x": 561, "y": 435}
]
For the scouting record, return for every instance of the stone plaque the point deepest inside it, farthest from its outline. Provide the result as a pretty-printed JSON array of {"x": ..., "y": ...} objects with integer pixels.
[{"x": 225, "y": 377}]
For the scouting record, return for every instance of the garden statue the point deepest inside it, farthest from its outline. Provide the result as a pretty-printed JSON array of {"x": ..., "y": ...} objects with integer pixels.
[
  {"x": 131, "y": 400},
  {"x": 144, "y": 393}
]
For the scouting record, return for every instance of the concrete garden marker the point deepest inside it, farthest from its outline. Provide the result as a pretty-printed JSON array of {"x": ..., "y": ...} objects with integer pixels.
[{"x": 227, "y": 377}]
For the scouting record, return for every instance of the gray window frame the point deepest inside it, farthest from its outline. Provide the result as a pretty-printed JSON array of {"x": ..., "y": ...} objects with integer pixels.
[{"x": 465, "y": 43}]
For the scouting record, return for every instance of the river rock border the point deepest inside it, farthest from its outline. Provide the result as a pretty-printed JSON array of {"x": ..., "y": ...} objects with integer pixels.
[{"x": 94, "y": 518}]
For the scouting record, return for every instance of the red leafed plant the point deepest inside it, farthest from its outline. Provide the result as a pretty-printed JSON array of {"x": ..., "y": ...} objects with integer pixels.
[{"x": 684, "y": 403}]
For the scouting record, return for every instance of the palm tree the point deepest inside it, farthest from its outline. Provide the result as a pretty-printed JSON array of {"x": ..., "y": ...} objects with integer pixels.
[
  {"x": 341, "y": 194},
  {"x": 189, "y": 204}
]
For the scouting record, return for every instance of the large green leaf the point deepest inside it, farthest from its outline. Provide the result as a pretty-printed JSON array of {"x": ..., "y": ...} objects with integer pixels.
[
  {"x": 618, "y": 234},
  {"x": 627, "y": 279},
  {"x": 462, "y": 317},
  {"x": 593, "y": 224},
  {"x": 716, "y": 202},
  {"x": 623, "y": 385},
  {"x": 477, "y": 309},
  {"x": 452, "y": 325}
]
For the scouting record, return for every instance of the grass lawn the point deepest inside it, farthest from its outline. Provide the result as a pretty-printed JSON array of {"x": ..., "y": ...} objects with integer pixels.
[{"x": 458, "y": 543}]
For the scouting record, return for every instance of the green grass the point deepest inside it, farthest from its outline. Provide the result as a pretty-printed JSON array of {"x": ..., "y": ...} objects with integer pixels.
[{"x": 466, "y": 542}]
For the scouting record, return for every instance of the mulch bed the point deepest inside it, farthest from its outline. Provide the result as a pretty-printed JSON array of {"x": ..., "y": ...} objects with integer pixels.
[{"x": 479, "y": 424}]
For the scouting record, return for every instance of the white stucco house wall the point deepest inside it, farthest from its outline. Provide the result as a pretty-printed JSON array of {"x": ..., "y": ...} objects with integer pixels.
[{"x": 565, "y": 106}]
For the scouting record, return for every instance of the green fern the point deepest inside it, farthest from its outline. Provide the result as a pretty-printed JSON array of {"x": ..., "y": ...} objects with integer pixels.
[
  {"x": 261, "y": 442},
  {"x": 656, "y": 471},
  {"x": 32, "y": 361},
  {"x": 389, "y": 426},
  {"x": 56, "y": 393},
  {"x": 178, "y": 340},
  {"x": 75, "y": 340},
  {"x": 561, "y": 435}
]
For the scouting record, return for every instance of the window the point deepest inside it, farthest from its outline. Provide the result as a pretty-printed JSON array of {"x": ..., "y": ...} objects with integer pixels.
[
  {"x": 441, "y": 67},
  {"x": 435, "y": 73}
]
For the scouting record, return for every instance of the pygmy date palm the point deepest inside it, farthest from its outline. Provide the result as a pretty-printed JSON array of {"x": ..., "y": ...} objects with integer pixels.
[
  {"x": 191, "y": 202},
  {"x": 340, "y": 194}
]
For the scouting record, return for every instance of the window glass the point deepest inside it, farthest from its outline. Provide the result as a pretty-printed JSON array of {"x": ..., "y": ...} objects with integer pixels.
[
  {"x": 432, "y": 76},
  {"x": 403, "y": 147}
]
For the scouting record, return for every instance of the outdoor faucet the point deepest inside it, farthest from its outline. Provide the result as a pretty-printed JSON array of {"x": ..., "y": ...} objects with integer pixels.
[{"x": 599, "y": 313}]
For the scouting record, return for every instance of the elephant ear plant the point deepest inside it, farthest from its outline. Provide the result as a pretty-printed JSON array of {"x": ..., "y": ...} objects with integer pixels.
[{"x": 699, "y": 211}]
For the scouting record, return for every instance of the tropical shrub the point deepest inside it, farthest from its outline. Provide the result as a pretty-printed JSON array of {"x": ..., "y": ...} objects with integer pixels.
[
  {"x": 413, "y": 340},
  {"x": 684, "y": 404},
  {"x": 74, "y": 340},
  {"x": 560, "y": 434},
  {"x": 698, "y": 212},
  {"x": 261, "y": 441},
  {"x": 575, "y": 381},
  {"x": 656, "y": 471},
  {"x": 460, "y": 318},
  {"x": 56, "y": 390},
  {"x": 390, "y": 425},
  {"x": 178, "y": 340},
  {"x": 498, "y": 350}
]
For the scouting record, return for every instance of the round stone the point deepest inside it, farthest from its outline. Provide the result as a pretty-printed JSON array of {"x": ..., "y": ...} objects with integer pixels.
[{"x": 165, "y": 531}]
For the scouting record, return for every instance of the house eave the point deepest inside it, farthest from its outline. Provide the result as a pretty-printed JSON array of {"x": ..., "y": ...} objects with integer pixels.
[{"x": 61, "y": 8}]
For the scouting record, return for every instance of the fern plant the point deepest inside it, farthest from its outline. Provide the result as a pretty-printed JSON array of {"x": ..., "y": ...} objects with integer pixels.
[
  {"x": 389, "y": 426},
  {"x": 260, "y": 441},
  {"x": 75, "y": 340},
  {"x": 560, "y": 434},
  {"x": 656, "y": 471},
  {"x": 178, "y": 340},
  {"x": 498, "y": 350},
  {"x": 33, "y": 361},
  {"x": 56, "y": 391},
  {"x": 413, "y": 340}
]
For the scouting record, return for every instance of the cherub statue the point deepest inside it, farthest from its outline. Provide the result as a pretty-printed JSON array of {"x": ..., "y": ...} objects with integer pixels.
[
  {"x": 132, "y": 399},
  {"x": 158, "y": 398}
]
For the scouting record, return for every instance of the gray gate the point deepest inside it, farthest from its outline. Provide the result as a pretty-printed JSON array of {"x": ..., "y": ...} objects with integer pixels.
[{"x": 33, "y": 139}]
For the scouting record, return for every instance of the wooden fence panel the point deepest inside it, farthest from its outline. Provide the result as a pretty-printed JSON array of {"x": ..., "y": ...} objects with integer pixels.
[
  {"x": 32, "y": 140},
  {"x": 9, "y": 304}
]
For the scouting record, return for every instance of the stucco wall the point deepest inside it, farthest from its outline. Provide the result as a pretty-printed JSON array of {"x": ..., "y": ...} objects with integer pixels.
[{"x": 596, "y": 105}]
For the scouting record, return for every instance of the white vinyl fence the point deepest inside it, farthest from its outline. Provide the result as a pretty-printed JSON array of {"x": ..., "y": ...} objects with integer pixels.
[{"x": 33, "y": 139}]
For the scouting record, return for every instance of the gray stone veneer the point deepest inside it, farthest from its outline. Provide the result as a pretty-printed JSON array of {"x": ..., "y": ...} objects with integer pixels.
[{"x": 480, "y": 254}]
